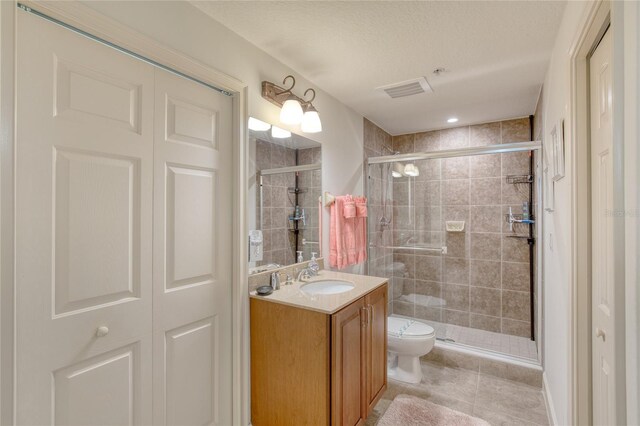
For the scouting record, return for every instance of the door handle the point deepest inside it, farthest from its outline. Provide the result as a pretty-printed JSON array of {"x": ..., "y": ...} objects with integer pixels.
[
  {"x": 102, "y": 331},
  {"x": 600, "y": 333},
  {"x": 364, "y": 315}
]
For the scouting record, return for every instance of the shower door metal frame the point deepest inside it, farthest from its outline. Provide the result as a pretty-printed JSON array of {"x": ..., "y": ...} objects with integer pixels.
[{"x": 460, "y": 152}]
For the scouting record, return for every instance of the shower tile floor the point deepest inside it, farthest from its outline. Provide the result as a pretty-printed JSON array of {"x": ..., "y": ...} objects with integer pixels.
[{"x": 516, "y": 346}]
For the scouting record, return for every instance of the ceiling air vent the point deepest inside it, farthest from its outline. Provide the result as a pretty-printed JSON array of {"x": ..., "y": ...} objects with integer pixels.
[{"x": 407, "y": 88}]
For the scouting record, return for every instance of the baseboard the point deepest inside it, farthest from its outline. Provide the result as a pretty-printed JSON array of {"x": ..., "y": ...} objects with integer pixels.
[{"x": 551, "y": 411}]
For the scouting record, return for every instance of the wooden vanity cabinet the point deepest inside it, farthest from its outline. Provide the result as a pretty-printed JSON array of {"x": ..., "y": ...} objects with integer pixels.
[{"x": 310, "y": 368}]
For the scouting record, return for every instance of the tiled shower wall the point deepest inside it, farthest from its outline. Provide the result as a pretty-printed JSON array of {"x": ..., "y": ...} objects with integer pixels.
[
  {"x": 483, "y": 281},
  {"x": 377, "y": 142},
  {"x": 277, "y": 203}
]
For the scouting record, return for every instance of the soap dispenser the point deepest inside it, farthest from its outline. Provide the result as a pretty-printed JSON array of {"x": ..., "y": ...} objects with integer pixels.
[{"x": 313, "y": 263}]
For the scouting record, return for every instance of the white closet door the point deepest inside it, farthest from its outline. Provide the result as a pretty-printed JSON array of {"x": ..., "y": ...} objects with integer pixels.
[
  {"x": 602, "y": 287},
  {"x": 192, "y": 253},
  {"x": 84, "y": 171}
]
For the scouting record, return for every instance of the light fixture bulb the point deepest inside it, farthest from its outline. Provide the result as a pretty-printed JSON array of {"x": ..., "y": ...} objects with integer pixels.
[
  {"x": 291, "y": 112},
  {"x": 311, "y": 120},
  {"x": 452, "y": 120},
  {"x": 258, "y": 125},
  {"x": 279, "y": 133},
  {"x": 411, "y": 170},
  {"x": 398, "y": 170}
]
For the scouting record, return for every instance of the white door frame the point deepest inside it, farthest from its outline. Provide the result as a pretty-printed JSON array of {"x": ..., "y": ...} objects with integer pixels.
[
  {"x": 86, "y": 19},
  {"x": 599, "y": 15}
]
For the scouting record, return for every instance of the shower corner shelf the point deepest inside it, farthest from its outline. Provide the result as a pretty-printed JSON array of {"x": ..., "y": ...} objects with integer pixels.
[{"x": 519, "y": 179}]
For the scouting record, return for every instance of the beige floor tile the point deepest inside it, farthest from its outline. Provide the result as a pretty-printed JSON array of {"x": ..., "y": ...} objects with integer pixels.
[
  {"x": 515, "y": 399},
  {"x": 456, "y": 383},
  {"x": 499, "y": 419}
]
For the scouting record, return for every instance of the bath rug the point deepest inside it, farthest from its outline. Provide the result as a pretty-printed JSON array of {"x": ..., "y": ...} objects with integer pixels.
[{"x": 406, "y": 410}]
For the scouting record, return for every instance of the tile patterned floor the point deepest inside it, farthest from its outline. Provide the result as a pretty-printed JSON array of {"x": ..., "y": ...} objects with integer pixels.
[
  {"x": 496, "y": 400},
  {"x": 511, "y": 345}
]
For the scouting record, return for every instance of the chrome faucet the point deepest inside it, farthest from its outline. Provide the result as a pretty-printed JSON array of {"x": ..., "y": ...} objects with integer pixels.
[
  {"x": 306, "y": 273},
  {"x": 275, "y": 280}
]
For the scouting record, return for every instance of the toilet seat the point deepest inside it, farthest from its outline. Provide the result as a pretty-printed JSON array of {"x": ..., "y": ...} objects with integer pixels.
[{"x": 406, "y": 329}]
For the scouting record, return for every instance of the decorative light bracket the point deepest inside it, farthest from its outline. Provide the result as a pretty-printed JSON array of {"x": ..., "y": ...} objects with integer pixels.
[
  {"x": 294, "y": 109},
  {"x": 277, "y": 95}
]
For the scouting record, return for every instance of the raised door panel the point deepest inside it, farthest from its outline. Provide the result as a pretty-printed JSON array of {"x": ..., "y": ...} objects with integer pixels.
[
  {"x": 376, "y": 348},
  {"x": 97, "y": 229},
  {"x": 100, "y": 390},
  {"x": 192, "y": 261},
  {"x": 191, "y": 123},
  {"x": 191, "y": 219},
  {"x": 348, "y": 395},
  {"x": 84, "y": 182},
  {"x": 192, "y": 372},
  {"x": 78, "y": 88}
]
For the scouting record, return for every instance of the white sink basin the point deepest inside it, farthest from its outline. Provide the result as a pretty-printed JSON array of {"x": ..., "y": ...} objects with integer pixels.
[{"x": 326, "y": 287}]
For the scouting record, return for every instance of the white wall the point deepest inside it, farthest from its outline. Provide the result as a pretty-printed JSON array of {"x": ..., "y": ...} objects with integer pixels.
[
  {"x": 557, "y": 224},
  {"x": 181, "y": 26}
]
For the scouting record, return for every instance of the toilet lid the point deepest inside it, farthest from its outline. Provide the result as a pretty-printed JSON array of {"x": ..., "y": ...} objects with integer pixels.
[{"x": 403, "y": 327}]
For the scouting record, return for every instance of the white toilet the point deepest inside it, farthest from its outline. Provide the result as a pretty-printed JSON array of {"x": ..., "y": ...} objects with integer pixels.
[{"x": 408, "y": 340}]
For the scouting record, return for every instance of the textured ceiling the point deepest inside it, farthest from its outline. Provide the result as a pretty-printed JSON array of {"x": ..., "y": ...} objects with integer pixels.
[{"x": 495, "y": 53}]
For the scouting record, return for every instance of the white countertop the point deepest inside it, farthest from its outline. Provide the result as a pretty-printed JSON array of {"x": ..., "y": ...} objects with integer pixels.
[{"x": 326, "y": 303}]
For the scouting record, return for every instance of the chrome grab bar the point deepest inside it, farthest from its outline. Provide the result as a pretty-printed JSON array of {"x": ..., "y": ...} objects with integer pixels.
[{"x": 442, "y": 249}]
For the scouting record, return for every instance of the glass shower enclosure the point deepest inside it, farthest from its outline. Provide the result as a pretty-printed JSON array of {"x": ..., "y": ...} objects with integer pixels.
[{"x": 454, "y": 232}]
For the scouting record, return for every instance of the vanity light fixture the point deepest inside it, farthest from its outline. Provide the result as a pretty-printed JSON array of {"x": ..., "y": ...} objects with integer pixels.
[
  {"x": 294, "y": 110},
  {"x": 310, "y": 120},
  {"x": 452, "y": 120},
  {"x": 411, "y": 170},
  {"x": 398, "y": 170},
  {"x": 258, "y": 125},
  {"x": 279, "y": 133}
]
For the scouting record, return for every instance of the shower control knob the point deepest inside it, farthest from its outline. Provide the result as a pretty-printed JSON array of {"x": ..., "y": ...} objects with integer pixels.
[{"x": 102, "y": 331}]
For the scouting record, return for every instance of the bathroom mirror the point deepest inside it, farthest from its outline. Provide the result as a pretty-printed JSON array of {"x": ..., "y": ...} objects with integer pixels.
[{"x": 285, "y": 184}]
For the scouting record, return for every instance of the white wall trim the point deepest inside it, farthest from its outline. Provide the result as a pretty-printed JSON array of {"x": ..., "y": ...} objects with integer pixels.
[
  {"x": 86, "y": 19},
  {"x": 7, "y": 151},
  {"x": 551, "y": 411},
  {"x": 632, "y": 204}
]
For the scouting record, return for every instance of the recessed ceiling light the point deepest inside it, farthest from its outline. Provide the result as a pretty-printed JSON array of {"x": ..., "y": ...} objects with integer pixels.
[{"x": 452, "y": 120}]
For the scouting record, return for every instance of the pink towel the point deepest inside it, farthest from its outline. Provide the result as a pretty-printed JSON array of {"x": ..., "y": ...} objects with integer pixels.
[
  {"x": 347, "y": 235},
  {"x": 361, "y": 206},
  {"x": 349, "y": 209}
]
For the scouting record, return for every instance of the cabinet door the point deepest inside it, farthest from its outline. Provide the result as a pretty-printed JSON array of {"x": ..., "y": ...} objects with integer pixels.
[
  {"x": 376, "y": 346},
  {"x": 348, "y": 395}
]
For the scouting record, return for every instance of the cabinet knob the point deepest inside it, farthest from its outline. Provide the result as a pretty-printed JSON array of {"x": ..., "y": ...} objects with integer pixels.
[
  {"x": 102, "y": 331},
  {"x": 600, "y": 333}
]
